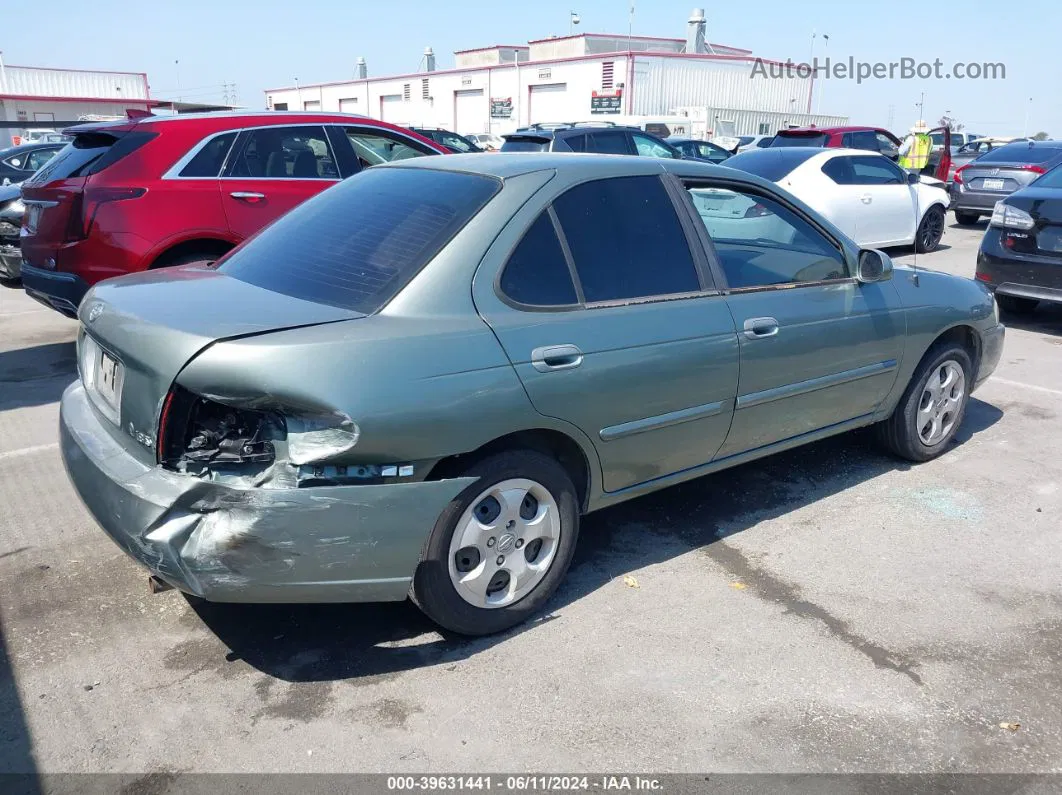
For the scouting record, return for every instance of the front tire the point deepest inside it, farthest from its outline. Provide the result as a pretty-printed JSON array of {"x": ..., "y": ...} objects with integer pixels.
[
  {"x": 499, "y": 550},
  {"x": 966, "y": 219},
  {"x": 930, "y": 231},
  {"x": 932, "y": 407},
  {"x": 1015, "y": 305}
]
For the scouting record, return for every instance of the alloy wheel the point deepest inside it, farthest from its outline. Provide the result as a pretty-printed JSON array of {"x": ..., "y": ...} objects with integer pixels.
[{"x": 941, "y": 402}]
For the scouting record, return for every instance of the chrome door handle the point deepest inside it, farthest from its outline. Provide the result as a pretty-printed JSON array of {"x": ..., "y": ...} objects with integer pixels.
[
  {"x": 866, "y": 198},
  {"x": 247, "y": 195},
  {"x": 756, "y": 328},
  {"x": 556, "y": 357}
]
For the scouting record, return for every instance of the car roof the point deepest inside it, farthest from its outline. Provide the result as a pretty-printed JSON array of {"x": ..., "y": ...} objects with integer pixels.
[
  {"x": 224, "y": 119},
  {"x": 511, "y": 164}
]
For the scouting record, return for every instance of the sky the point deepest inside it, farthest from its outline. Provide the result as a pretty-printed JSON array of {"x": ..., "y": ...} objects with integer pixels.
[{"x": 191, "y": 48}]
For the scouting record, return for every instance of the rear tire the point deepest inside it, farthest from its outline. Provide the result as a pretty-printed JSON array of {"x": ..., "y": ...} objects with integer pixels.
[
  {"x": 933, "y": 405},
  {"x": 930, "y": 231},
  {"x": 1015, "y": 305},
  {"x": 446, "y": 585},
  {"x": 966, "y": 219}
]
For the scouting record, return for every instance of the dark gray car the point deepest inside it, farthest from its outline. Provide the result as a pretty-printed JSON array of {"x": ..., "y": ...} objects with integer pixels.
[{"x": 977, "y": 186}]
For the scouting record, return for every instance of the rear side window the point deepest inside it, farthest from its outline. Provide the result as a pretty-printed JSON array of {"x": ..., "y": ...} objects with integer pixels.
[
  {"x": 209, "y": 160},
  {"x": 90, "y": 153},
  {"x": 357, "y": 245},
  {"x": 863, "y": 139},
  {"x": 814, "y": 139},
  {"x": 525, "y": 145},
  {"x": 537, "y": 273},
  {"x": 626, "y": 240}
]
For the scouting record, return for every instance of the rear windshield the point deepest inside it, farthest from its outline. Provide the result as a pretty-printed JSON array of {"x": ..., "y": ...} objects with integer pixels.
[
  {"x": 799, "y": 139},
  {"x": 1020, "y": 153},
  {"x": 1052, "y": 179},
  {"x": 524, "y": 145},
  {"x": 771, "y": 164},
  {"x": 75, "y": 159},
  {"x": 356, "y": 245}
]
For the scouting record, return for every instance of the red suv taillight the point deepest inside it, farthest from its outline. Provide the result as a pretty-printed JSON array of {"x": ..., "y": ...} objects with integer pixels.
[{"x": 84, "y": 207}]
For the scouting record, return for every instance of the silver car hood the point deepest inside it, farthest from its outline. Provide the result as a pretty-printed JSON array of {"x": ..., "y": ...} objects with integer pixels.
[{"x": 154, "y": 323}]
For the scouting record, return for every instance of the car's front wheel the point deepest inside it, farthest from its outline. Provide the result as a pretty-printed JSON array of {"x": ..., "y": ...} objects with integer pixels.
[
  {"x": 933, "y": 405},
  {"x": 966, "y": 219},
  {"x": 1015, "y": 305},
  {"x": 501, "y": 547},
  {"x": 930, "y": 231}
]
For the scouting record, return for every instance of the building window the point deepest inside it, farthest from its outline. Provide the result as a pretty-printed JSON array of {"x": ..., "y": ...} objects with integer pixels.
[
  {"x": 606, "y": 75},
  {"x": 405, "y": 92},
  {"x": 424, "y": 92},
  {"x": 764, "y": 129},
  {"x": 280, "y": 106}
]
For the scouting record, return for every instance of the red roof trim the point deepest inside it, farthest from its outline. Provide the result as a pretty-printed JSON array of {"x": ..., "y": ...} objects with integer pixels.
[
  {"x": 603, "y": 56},
  {"x": 115, "y": 101},
  {"x": 494, "y": 47}
]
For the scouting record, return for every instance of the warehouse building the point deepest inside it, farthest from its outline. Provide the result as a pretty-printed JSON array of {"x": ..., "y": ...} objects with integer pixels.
[
  {"x": 34, "y": 97},
  {"x": 574, "y": 78}
]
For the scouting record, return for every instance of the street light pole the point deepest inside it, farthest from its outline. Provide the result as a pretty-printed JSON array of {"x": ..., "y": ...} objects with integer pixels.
[
  {"x": 1025, "y": 127},
  {"x": 573, "y": 20}
]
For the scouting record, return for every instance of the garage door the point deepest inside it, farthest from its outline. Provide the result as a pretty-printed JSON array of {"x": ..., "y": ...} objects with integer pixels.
[
  {"x": 470, "y": 112},
  {"x": 349, "y": 106},
  {"x": 391, "y": 108},
  {"x": 549, "y": 103}
]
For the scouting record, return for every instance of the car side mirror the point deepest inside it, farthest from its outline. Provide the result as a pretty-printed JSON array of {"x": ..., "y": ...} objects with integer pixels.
[
  {"x": 873, "y": 266},
  {"x": 913, "y": 177}
]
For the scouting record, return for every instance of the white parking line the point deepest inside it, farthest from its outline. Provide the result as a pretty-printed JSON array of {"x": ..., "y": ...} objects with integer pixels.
[
  {"x": 40, "y": 448},
  {"x": 1023, "y": 385}
]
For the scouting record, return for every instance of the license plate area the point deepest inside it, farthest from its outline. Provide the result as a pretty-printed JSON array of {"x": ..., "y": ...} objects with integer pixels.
[
  {"x": 103, "y": 375},
  {"x": 992, "y": 184}
]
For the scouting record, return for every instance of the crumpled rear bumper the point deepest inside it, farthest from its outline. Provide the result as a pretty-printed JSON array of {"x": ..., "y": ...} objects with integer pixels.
[{"x": 226, "y": 544}]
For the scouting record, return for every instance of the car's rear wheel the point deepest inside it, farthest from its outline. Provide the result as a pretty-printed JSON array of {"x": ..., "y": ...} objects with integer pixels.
[
  {"x": 930, "y": 231},
  {"x": 1016, "y": 305},
  {"x": 933, "y": 405},
  {"x": 501, "y": 547},
  {"x": 966, "y": 219}
]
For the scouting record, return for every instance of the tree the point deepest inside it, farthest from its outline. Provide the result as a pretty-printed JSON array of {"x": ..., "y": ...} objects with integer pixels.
[
  {"x": 1041, "y": 136},
  {"x": 950, "y": 123}
]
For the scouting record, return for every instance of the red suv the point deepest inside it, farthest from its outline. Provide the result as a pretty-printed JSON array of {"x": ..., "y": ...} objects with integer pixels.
[{"x": 158, "y": 191}]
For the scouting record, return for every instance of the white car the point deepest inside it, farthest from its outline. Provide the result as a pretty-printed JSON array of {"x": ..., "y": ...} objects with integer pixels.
[
  {"x": 864, "y": 194},
  {"x": 488, "y": 141}
]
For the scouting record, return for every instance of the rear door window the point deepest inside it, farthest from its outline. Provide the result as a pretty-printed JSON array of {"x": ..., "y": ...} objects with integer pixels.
[
  {"x": 285, "y": 153},
  {"x": 610, "y": 143},
  {"x": 626, "y": 240},
  {"x": 863, "y": 139},
  {"x": 208, "y": 161},
  {"x": 357, "y": 245},
  {"x": 537, "y": 273}
]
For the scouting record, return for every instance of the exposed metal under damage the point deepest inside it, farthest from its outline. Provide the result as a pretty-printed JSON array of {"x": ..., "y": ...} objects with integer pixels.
[{"x": 244, "y": 528}]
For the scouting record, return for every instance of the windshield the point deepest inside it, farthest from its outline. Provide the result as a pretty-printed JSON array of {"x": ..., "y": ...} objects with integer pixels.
[
  {"x": 356, "y": 245},
  {"x": 799, "y": 139}
]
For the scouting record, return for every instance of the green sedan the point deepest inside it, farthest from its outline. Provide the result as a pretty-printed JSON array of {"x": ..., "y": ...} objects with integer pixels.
[{"x": 415, "y": 383}]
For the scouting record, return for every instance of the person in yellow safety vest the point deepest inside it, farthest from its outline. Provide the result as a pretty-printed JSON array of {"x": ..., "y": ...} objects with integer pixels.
[{"x": 914, "y": 152}]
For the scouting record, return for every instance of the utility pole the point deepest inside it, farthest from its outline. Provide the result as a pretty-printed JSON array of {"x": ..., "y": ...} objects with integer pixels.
[
  {"x": 921, "y": 106},
  {"x": 892, "y": 116},
  {"x": 573, "y": 20},
  {"x": 1025, "y": 127}
]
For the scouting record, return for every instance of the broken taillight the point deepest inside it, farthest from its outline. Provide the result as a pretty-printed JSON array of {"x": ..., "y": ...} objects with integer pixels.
[{"x": 197, "y": 432}]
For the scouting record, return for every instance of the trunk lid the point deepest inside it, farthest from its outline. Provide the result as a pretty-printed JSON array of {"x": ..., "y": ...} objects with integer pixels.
[
  {"x": 140, "y": 331},
  {"x": 1045, "y": 206},
  {"x": 1000, "y": 177}
]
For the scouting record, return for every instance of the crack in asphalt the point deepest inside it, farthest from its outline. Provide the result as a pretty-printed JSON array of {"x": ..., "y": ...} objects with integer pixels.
[{"x": 773, "y": 589}]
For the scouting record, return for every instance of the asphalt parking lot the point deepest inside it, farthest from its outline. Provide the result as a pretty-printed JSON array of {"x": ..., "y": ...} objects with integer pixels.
[{"x": 827, "y": 610}]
